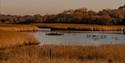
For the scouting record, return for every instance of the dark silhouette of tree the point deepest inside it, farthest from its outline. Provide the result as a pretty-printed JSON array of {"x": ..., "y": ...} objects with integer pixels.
[
  {"x": 104, "y": 20},
  {"x": 79, "y": 16},
  {"x": 38, "y": 18}
]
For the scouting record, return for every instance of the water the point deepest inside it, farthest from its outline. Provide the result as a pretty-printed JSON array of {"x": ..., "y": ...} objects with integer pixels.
[{"x": 90, "y": 38}]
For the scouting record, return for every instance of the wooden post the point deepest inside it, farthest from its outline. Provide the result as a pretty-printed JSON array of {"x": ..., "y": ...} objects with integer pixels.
[
  {"x": 110, "y": 61},
  {"x": 50, "y": 53}
]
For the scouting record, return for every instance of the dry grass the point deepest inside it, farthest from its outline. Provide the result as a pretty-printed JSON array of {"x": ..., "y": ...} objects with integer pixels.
[
  {"x": 64, "y": 54},
  {"x": 10, "y": 39},
  {"x": 34, "y": 27},
  {"x": 17, "y": 27},
  {"x": 81, "y": 27}
]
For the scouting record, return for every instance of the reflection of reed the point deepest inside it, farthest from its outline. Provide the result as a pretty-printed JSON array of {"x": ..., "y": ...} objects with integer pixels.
[
  {"x": 115, "y": 38},
  {"x": 96, "y": 37},
  {"x": 8, "y": 39}
]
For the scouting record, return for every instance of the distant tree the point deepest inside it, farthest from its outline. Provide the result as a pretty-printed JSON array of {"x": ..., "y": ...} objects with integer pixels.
[
  {"x": 104, "y": 20},
  {"x": 81, "y": 16},
  {"x": 38, "y": 18}
]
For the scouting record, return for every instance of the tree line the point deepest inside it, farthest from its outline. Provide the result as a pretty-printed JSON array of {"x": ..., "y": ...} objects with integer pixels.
[{"x": 79, "y": 16}]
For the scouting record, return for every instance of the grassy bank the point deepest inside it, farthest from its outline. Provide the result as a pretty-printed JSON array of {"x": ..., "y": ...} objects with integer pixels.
[
  {"x": 64, "y": 54},
  {"x": 18, "y": 27},
  {"x": 10, "y": 39},
  {"x": 83, "y": 27}
]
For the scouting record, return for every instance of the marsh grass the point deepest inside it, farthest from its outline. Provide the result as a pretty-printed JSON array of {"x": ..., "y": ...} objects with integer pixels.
[
  {"x": 17, "y": 27},
  {"x": 64, "y": 54},
  {"x": 12, "y": 39},
  {"x": 84, "y": 27}
]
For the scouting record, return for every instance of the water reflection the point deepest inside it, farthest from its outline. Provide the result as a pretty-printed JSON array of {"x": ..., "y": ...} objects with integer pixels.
[
  {"x": 96, "y": 37},
  {"x": 80, "y": 38},
  {"x": 99, "y": 37}
]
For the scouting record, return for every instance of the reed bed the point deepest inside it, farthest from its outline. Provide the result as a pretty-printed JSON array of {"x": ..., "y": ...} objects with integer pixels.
[
  {"x": 17, "y": 27},
  {"x": 64, "y": 54},
  {"x": 10, "y": 39},
  {"x": 86, "y": 27}
]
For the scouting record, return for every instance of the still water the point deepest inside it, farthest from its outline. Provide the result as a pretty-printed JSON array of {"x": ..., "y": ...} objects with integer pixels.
[{"x": 84, "y": 38}]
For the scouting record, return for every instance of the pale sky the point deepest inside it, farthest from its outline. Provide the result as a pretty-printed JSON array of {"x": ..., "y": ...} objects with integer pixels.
[{"x": 30, "y": 7}]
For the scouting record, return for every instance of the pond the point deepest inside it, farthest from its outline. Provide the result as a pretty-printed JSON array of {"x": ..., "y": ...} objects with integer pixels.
[{"x": 80, "y": 38}]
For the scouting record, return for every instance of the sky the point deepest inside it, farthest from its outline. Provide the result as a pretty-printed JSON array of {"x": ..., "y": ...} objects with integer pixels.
[{"x": 31, "y": 7}]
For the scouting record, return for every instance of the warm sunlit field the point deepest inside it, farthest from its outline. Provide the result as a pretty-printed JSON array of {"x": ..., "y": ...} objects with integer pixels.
[
  {"x": 64, "y": 54},
  {"x": 83, "y": 27},
  {"x": 11, "y": 38},
  {"x": 86, "y": 27},
  {"x": 17, "y": 27}
]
